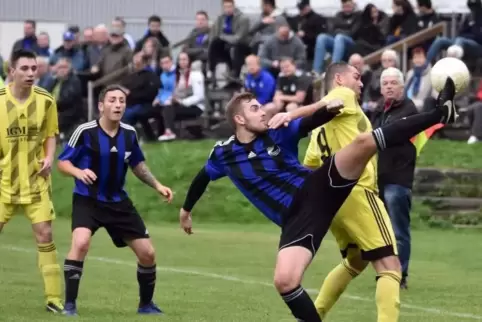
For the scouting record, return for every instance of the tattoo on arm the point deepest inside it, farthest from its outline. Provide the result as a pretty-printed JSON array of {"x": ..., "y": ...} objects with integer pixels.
[{"x": 142, "y": 172}]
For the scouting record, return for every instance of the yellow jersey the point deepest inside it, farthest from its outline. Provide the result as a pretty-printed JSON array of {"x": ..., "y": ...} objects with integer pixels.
[
  {"x": 339, "y": 132},
  {"x": 24, "y": 127}
]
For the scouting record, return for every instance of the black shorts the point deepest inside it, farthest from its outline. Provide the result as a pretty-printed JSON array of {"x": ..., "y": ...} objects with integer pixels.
[
  {"x": 314, "y": 206},
  {"x": 120, "y": 219}
]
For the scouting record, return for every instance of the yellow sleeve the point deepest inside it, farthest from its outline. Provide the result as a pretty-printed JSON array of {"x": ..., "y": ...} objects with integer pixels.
[
  {"x": 348, "y": 97},
  {"x": 52, "y": 128},
  {"x": 313, "y": 154}
]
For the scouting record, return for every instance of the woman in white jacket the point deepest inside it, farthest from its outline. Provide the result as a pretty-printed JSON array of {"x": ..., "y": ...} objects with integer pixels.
[{"x": 188, "y": 98}]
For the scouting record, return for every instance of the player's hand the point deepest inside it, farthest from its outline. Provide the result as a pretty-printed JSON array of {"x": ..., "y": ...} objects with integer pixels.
[
  {"x": 279, "y": 120},
  {"x": 46, "y": 167},
  {"x": 86, "y": 176},
  {"x": 185, "y": 220},
  {"x": 334, "y": 106},
  {"x": 166, "y": 192}
]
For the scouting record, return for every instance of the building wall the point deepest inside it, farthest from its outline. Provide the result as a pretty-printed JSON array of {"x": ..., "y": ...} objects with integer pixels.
[{"x": 178, "y": 15}]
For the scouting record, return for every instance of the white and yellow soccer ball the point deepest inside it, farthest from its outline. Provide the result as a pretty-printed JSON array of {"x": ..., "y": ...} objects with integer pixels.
[{"x": 453, "y": 68}]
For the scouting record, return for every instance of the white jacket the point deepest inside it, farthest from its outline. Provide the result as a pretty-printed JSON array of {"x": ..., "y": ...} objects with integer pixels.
[{"x": 196, "y": 81}]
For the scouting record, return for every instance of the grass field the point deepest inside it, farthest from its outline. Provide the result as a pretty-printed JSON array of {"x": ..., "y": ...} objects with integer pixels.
[{"x": 223, "y": 272}]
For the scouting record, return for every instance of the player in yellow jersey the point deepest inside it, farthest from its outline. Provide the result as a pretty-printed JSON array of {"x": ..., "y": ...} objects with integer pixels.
[{"x": 28, "y": 126}]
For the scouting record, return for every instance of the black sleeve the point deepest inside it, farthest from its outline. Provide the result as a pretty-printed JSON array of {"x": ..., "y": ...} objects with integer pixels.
[
  {"x": 196, "y": 190},
  {"x": 309, "y": 123}
]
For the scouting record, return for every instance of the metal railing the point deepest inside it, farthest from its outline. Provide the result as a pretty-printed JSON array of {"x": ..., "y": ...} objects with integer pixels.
[{"x": 402, "y": 45}]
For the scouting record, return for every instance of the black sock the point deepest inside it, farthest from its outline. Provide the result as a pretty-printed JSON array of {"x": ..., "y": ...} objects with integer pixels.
[
  {"x": 403, "y": 130},
  {"x": 146, "y": 276},
  {"x": 72, "y": 274},
  {"x": 301, "y": 305}
]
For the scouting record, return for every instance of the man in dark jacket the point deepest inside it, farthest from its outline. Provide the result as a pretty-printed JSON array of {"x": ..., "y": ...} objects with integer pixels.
[
  {"x": 154, "y": 25},
  {"x": 198, "y": 40},
  {"x": 142, "y": 87},
  {"x": 340, "y": 41},
  {"x": 70, "y": 51},
  {"x": 29, "y": 40},
  {"x": 396, "y": 165},
  {"x": 311, "y": 25}
]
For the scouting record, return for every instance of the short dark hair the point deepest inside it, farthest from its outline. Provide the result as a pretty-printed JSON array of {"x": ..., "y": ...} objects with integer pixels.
[
  {"x": 154, "y": 18},
  {"x": 111, "y": 88},
  {"x": 270, "y": 3},
  {"x": 21, "y": 53},
  {"x": 332, "y": 70},
  {"x": 121, "y": 20},
  {"x": 287, "y": 58},
  {"x": 31, "y": 22},
  {"x": 202, "y": 13},
  {"x": 233, "y": 106},
  {"x": 228, "y": 1}
]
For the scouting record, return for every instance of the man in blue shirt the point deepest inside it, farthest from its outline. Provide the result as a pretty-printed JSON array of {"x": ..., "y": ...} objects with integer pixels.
[
  {"x": 261, "y": 159},
  {"x": 258, "y": 81},
  {"x": 97, "y": 156}
]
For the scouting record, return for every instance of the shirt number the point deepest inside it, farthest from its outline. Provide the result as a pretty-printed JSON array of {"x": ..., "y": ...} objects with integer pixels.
[{"x": 323, "y": 145}]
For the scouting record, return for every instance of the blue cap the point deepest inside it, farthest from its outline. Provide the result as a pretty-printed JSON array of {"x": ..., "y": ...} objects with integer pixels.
[{"x": 69, "y": 36}]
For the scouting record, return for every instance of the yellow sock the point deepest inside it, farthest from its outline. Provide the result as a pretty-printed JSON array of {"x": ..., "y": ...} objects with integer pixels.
[
  {"x": 333, "y": 286},
  {"x": 388, "y": 296},
  {"x": 50, "y": 269}
]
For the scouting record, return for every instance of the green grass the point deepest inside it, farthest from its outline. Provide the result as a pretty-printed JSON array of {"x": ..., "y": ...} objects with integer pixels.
[{"x": 224, "y": 273}]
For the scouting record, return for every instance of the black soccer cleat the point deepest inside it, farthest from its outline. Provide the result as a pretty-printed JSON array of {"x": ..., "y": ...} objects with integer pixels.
[
  {"x": 54, "y": 308},
  {"x": 445, "y": 102}
]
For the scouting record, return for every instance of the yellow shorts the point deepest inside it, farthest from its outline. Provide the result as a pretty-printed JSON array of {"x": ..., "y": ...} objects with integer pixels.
[
  {"x": 363, "y": 222},
  {"x": 37, "y": 212}
]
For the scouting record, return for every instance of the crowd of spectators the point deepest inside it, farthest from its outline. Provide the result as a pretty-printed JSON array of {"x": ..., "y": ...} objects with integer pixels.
[{"x": 274, "y": 55}]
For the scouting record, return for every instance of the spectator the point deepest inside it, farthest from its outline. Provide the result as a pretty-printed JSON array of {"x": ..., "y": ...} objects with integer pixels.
[
  {"x": 68, "y": 50},
  {"x": 476, "y": 118},
  {"x": 271, "y": 18},
  {"x": 229, "y": 32},
  {"x": 119, "y": 23},
  {"x": 357, "y": 61},
  {"x": 198, "y": 44},
  {"x": 43, "y": 45},
  {"x": 168, "y": 82},
  {"x": 44, "y": 76},
  {"x": 258, "y": 81},
  {"x": 372, "y": 93},
  {"x": 339, "y": 44},
  {"x": 188, "y": 99},
  {"x": 396, "y": 165},
  {"x": 419, "y": 84},
  {"x": 85, "y": 42},
  {"x": 65, "y": 88},
  {"x": 371, "y": 30},
  {"x": 117, "y": 55},
  {"x": 311, "y": 25},
  {"x": 100, "y": 40},
  {"x": 427, "y": 17},
  {"x": 403, "y": 23},
  {"x": 142, "y": 86},
  {"x": 153, "y": 51},
  {"x": 154, "y": 30},
  {"x": 470, "y": 34},
  {"x": 29, "y": 40},
  {"x": 292, "y": 88},
  {"x": 76, "y": 31},
  {"x": 283, "y": 44}
]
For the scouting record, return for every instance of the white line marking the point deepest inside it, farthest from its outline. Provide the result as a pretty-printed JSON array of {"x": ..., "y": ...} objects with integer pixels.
[{"x": 248, "y": 281}]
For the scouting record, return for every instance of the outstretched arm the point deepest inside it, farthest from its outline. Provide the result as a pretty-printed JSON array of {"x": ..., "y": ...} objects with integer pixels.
[
  {"x": 142, "y": 172},
  {"x": 196, "y": 190}
]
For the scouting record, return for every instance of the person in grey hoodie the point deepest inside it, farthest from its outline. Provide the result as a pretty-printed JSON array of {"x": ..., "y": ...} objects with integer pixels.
[
  {"x": 282, "y": 44},
  {"x": 269, "y": 21},
  {"x": 230, "y": 31}
]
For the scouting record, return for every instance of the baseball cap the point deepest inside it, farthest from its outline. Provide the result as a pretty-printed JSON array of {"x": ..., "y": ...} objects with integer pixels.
[
  {"x": 68, "y": 36},
  {"x": 302, "y": 4}
]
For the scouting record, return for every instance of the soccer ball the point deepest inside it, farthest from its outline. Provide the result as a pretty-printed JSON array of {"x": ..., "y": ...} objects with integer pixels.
[{"x": 453, "y": 67}]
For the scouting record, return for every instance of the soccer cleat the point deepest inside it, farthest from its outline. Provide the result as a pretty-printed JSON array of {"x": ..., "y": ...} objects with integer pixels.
[
  {"x": 70, "y": 309},
  {"x": 54, "y": 307},
  {"x": 404, "y": 284},
  {"x": 150, "y": 308},
  {"x": 445, "y": 101}
]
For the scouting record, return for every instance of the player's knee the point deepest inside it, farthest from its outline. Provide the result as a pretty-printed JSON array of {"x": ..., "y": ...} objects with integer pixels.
[
  {"x": 81, "y": 246},
  {"x": 43, "y": 232},
  {"x": 147, "y": 256},
  {"x": 388, "y": 263},
  {"x": 286, "y": 281}
]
